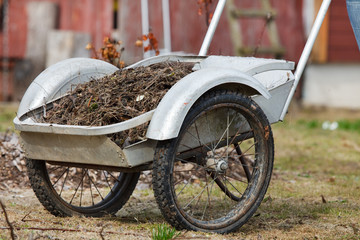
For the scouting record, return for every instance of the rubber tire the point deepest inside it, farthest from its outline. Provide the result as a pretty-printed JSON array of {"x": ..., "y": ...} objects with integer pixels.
[
  {"x": 165, "y": 151},
  {"x": 48, "y": 197}
]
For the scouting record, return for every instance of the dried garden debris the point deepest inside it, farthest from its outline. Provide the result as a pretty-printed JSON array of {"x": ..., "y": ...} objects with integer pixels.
[
  {"x": 118, "y": 97},
  {"x": 12, "y": 164}
]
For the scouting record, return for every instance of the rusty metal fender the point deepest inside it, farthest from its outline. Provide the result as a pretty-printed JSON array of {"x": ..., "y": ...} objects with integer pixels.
[{"x": 171, "y": 111}]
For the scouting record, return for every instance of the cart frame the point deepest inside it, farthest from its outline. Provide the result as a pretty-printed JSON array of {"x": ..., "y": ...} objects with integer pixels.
[{"x": 238, "y": 98}]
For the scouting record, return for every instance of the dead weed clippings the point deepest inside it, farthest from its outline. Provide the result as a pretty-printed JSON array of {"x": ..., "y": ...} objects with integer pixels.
[{"x": 118, "y": 97}]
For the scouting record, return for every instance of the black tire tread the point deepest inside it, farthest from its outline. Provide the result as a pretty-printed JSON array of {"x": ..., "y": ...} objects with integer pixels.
[{"x": 37, "y": 174}]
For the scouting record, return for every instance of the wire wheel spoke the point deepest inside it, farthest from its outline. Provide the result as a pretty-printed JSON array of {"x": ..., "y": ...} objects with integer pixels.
[
  {"x": 196, "y": 205},
  {"x": 247, "y": 135},
  {"x": 226, "y": 180},
  {"x": 81, "y": 187},
  {"x": 197, "y": 150},
  {"x": 54, "y": 169},
  {"x": 197, "y": 138},
  {"x": 188, "y": 181},
  {"x": 62, "y": 174},
  {"x": 66, "y": 176},
  {"x": 90, "y": 188},
  {"x": 199, "y": 194},
  {"x": 223, "y": 186},
  {"x": 107, "y": 181},
  {"x": 115, "y": 178},
  {"x": 189, "y": 162},
  {"x": 218, "y": 167}
]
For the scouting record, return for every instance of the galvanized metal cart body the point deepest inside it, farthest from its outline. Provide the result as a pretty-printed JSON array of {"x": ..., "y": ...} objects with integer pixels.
[
  {"x": 269, "y": 83},
  {"x": 90, "y": 145}
]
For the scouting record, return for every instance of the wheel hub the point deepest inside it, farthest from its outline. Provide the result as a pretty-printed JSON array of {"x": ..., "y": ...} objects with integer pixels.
[
  {"x": 216, "y": 165},
  {"x": 222, "y": 166}
]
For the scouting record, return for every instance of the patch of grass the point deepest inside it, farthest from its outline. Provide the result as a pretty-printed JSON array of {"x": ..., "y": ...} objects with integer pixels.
[
  {"x": 342, "y": 124},
  {"x": 314, "y": 193},
  {"x": 316, "y": 183},
  {"x": 301, "y": 149},
  {"x": 349, "y": 125},
  {"x": 309, "y": 124},
  {"x": 7, "y": 114},
  {"x": 164, "y": 232},
  {"x": 292, "y": 208}
]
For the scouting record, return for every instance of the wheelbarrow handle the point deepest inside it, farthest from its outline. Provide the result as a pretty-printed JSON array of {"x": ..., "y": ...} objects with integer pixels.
[
  {"x": 213, "y": 25},
  {"x": 306, "y": 52}
]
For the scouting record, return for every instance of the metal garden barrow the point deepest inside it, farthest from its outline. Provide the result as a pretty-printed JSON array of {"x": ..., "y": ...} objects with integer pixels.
[{"x": 209, "y": 141}]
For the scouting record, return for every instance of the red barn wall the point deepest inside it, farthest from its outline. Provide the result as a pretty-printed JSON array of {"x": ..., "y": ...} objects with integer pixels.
[
  {"x": 91, "y": 16},
  {"x": 188, "y": 28},
  {"x": 96, "y": 17},
  {"x": 342, "y": 43},
  {"x": 16, "y": 30}
]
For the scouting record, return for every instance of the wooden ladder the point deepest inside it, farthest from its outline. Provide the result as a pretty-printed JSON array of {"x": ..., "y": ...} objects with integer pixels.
[{"x": 268, "y": 14}]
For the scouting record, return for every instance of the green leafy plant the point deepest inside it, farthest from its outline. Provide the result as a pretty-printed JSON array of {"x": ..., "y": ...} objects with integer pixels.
[{"x": 164, "y": 232}]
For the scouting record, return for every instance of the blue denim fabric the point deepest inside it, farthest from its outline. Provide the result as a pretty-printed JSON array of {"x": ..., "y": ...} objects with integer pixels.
[{"x": 353, "y": 7}]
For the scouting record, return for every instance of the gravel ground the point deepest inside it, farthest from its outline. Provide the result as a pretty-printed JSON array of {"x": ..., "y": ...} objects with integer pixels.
[{"x": 12, "y": 165}]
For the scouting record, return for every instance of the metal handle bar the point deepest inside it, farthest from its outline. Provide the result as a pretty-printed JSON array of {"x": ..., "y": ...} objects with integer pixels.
[
  {"x": 304, "y": 56},
  {"x": 211, "y": 30},
  {"x": 306, "y": 52}
]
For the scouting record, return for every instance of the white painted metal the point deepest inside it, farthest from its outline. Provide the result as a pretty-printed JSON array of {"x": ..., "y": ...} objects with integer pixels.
[
  {"x": 213, "y": 25},
  {"x": 306, "y": 52},
  {"x": 145, "y": 20},
  {"x": 273, "y": 107},
  {"x": 145, "y": 23},
  {"x": 29, "y": 125},
  {"x": 140, "y": 153},
  {"x": 269, "y": 72},
  {"x": 174, "y": 106},
  {"x": 97, "y": 150},
  {"x": 166, "y": 26},
  {"x": 75, "y": 149},
  {"x": 61, "y": 77},
  {"x": 212, "y": 72},
  {"x": 250, "y": 74},
  {"x": 334, "y": 85},
  {"x": 165, "y": 58},
  {"x": 308, "y": 15},
  {"x": 171, "y": 111},
  {"x": 249, "y": 65},
  {"x": 209, "y": 72}
]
